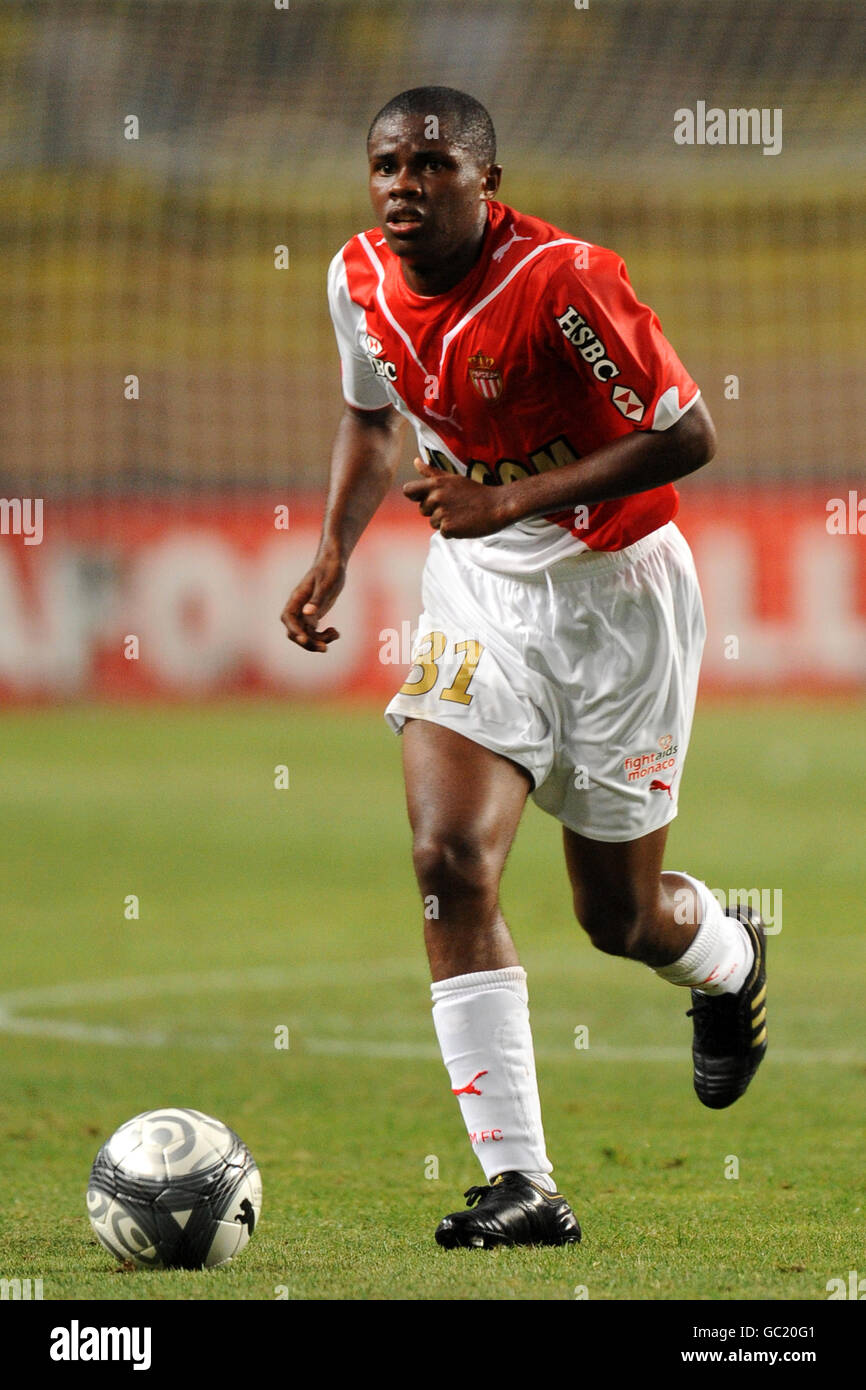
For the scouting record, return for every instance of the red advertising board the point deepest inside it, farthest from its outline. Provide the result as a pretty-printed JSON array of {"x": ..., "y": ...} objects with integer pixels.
[{"x": 184, "y": 599}]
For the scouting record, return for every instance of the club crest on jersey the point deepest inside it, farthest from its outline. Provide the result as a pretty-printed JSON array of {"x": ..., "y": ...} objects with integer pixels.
[
  {"x": 628, "y": 402},
  {"x": 485, "y": 377}
]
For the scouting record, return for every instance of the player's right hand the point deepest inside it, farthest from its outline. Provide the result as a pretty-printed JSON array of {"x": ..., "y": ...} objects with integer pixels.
[{"x": 310, "y": 601}]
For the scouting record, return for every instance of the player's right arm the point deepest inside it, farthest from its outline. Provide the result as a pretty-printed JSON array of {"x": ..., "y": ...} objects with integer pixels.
[{"x": 363, "y": 463}]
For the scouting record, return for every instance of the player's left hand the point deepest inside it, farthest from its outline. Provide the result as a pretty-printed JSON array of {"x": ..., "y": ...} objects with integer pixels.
[{"x": 457, "y": 506}]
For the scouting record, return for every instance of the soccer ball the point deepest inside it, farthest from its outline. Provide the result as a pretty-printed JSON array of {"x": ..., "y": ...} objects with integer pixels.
[{"x": 174, "y": 1189}]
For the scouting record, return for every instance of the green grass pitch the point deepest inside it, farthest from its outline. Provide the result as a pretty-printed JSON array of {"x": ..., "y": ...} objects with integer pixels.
[{"x": 262, "y": 909}]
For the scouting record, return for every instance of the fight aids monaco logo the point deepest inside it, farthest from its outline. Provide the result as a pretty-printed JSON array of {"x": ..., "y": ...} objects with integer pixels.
[{"x": 657, "y": 765}]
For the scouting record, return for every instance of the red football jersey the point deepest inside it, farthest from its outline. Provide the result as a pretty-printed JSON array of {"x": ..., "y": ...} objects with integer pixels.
[{"x": 539, "y": 356}]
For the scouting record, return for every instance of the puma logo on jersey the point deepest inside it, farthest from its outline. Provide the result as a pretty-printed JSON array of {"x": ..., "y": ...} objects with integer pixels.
[
  {"x": 446, "y": 419},
  {"x": 499, "y": 253},
  {"x": 578, "y": 332}
]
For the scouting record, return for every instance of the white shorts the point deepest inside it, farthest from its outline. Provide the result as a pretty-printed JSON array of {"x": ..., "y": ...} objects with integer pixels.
[{"x": 585, "y": 675}]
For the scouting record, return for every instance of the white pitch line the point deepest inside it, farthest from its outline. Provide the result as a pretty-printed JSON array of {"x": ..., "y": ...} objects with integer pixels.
[
  {"x": 602, "y": 1052},
  {"x": 311, "y": 973}
]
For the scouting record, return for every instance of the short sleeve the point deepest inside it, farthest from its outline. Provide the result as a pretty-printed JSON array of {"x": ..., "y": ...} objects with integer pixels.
[
  {"x": 616, "y": 345},
  {"x": 361, "y": 386}
]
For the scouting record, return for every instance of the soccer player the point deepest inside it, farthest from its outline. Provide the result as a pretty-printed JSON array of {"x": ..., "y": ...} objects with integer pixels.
[{"x": 558, "y": 651}]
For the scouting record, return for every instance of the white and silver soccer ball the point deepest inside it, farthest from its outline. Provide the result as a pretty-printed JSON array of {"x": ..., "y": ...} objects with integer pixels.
[{"x": 174, "y": 1189}]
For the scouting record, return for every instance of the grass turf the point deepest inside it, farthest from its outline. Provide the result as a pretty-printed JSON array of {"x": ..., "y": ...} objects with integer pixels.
[{"x": 262, "y": 908}]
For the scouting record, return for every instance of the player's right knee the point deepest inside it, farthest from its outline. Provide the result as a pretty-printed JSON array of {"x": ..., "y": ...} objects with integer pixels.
[{"x": 455, "y": 864}]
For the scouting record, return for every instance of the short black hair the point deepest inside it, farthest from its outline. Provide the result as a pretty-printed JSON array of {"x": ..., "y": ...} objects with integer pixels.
[{"x": 469, "y": 123}]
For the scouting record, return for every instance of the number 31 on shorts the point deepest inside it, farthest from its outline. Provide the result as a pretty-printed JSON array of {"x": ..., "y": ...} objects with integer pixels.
[{"x": 435, "y": 644}]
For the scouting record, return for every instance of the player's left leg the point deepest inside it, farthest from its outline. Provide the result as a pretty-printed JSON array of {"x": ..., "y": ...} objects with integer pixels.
[
  {"x": 624, "y": 902},
  {"x": 671, "y": 922}
]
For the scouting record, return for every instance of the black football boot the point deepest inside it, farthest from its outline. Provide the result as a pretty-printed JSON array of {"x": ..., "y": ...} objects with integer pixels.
[
  {"x": 511, "y": 1211},
  {"x": 730, "y": 1030}
]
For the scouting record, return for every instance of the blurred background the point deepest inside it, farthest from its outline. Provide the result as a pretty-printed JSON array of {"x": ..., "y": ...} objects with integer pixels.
[{"x": 164, "y": 386}]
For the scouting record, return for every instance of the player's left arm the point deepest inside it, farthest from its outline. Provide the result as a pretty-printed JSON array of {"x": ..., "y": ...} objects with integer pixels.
[
  {"x": 633, "y": 463},
  {"x": 591, "y": 313},
  {"x": 459, "y": 507}
]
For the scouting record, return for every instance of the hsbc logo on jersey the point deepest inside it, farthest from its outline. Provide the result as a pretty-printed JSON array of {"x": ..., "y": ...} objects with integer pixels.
[
  {"x": 629, "y": 402},
  {"x": 579, "y": 333},
  {"x": 373, "y": 348},
  {"x": 385, "y": 369}
]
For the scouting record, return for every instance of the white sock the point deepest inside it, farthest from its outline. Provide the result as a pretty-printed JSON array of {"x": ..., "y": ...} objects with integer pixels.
[
  {"x": 482, "y": 1023},
  {"x": 720, "y": 957}
]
